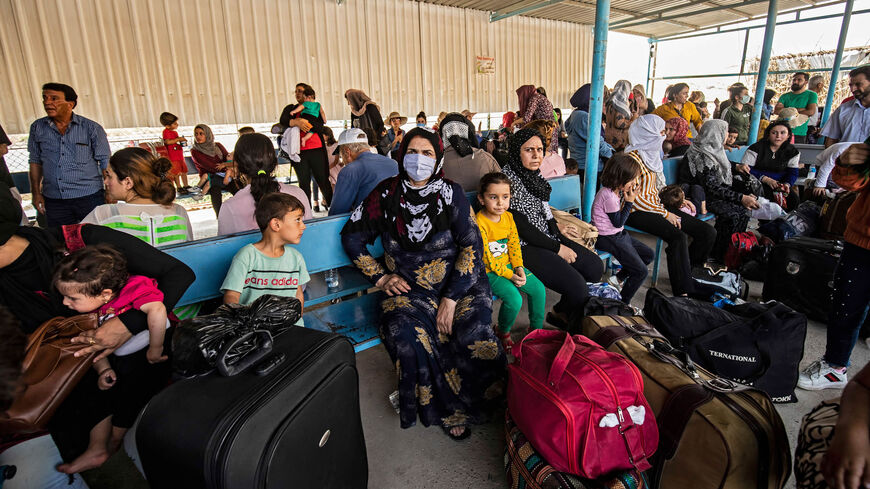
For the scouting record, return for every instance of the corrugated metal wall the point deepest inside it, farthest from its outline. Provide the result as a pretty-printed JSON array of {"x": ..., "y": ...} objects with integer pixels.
[{"x": 237, "y": 61}]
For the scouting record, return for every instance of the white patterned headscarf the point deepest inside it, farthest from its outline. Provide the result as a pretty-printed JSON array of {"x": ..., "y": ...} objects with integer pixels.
[
  {"x": 619, "y": 97},
  {"x": 708, "y": 151},
  {"x": 645, "y": 136}
]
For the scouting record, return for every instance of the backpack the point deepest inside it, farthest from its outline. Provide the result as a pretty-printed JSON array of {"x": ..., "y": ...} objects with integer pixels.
[
  {"x": 802, "y": 221},
  {"x": 741, "y": 245},
  {"x": 728, "y": 284},
  {"x": 581, "y": 406},
  {"x": 754, "y": 265}
]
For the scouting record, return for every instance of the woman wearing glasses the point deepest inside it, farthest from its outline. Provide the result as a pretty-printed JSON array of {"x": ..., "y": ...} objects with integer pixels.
[{"x": 562, "y": 265}]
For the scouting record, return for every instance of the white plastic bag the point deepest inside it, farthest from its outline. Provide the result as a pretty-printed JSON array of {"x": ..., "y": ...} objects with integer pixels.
[{"x": 767, "y": 210}]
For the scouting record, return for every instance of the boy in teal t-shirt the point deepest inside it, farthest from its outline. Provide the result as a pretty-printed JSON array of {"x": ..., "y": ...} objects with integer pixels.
[{"x": 270, "y": 266}]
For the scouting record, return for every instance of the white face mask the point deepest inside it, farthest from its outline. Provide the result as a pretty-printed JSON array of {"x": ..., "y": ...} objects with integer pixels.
[
  {"x": 746, "y": 99},
  {"x": 418, "y": 167}
]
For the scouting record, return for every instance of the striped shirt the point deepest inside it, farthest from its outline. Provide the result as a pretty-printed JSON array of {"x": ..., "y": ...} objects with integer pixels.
[
  {"x": 154, "y": 224},
  {"x": 647, "y": 199},
  {"x": 73, "y": 162}
]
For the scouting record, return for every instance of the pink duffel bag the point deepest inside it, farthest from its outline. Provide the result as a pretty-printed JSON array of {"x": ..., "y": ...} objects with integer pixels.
[{"x": 580, "y": 406}]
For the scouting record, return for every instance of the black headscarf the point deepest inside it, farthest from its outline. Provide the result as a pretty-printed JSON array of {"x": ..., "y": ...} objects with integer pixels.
[
  {"x": 457, "y": 130},
  {"x": 532, "y": 180},
  {"x": 580, "y": 99},
  {"x": 776, "y": 161},
  {"x": 412, "y": 215}
]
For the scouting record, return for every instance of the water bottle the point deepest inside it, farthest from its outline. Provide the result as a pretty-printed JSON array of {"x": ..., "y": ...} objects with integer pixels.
[
  {"x": 615, "y": 266},
  {"x": 332, "y": 279},
  {"x": 394, "y": 401},
  {"x": 811, "y": 174}
]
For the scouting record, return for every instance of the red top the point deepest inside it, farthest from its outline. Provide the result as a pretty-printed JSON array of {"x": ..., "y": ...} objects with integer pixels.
[
  {"x": 175, "y": 151},
  {"x": 137, "y": 292},
  {"x": 313, "y": 142},
  {"x": 208, "y": 163}
]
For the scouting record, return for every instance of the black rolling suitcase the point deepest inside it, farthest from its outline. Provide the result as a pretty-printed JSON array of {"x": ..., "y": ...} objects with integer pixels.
[
  {"x": 800, "y": 274},
  {"x": 296, "y": 425}
]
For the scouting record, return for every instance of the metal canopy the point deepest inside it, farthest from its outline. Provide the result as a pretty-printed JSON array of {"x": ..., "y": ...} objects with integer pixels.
[{"x": 649, "y": 18}]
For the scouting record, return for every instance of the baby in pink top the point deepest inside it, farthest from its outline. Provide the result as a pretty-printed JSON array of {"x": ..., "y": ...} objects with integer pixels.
[{"x": 95, "y": 279}]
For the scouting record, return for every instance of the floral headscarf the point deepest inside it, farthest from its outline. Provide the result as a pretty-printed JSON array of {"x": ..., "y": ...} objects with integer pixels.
[
  {"x": 681, "y": 129},
  {"x": 411, "y": 215},
  {"x": 524, "y": 95}
]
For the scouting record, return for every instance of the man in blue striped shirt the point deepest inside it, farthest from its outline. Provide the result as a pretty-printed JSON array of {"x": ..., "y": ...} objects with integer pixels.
[{"x": 68, "y": 155}]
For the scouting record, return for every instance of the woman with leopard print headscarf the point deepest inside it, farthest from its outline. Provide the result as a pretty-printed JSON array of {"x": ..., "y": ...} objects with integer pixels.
[
  {"x": 561, "y": 264},
  {"x": 436, "y": 316}
]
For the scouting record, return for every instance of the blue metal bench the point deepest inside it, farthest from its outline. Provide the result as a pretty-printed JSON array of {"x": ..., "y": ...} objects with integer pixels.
[{"x": 355, "y": 318}]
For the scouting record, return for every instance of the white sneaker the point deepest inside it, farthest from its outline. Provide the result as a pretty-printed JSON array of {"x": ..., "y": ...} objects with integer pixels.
[{"x": 819, "y": 375}]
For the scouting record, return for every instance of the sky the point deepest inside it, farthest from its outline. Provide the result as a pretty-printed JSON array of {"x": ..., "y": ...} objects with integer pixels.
[{"x": 627, "y": 55}]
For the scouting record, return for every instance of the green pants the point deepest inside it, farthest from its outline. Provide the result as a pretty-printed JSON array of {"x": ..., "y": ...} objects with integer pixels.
[{"x": 512, "y": 301}]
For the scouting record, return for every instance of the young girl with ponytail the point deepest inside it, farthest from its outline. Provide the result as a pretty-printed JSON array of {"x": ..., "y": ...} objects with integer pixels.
[{"x": 256, "y": 160}]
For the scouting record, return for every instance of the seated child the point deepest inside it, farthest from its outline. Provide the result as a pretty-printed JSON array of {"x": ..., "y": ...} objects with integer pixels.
[
  {"x": 731, "y": 139},
  {"x": 610, "y": 210},
  {"x": 504, "y": 260},
  {"x": 673, "y": 197},
  {"x": 95, "y": 279},
  {"x": 312, "y": 112},
  {"x": 270, "y": 266},
  {"x": 571, "y": 166}
]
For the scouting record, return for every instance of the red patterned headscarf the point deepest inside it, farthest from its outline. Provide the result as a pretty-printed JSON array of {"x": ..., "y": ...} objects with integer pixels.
[{"x": 681, "y": 130}]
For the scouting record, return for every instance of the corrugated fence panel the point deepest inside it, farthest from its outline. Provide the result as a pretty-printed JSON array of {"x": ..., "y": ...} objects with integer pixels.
[
  {"x": 394, "y": 51},
  {"x": 237, "y": 61}
]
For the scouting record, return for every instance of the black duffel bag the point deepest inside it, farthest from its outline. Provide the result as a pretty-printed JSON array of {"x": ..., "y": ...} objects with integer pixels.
[{"x": 755, "y": 344}]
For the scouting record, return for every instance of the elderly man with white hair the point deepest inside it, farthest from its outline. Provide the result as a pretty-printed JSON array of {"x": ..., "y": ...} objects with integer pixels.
[{"x": 363, "y": 171}]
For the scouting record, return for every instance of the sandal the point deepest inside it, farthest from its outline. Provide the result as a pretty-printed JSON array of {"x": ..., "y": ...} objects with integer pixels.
[
  {"x": 465, "y": 434},
  {"x": 506, "y": 342}
]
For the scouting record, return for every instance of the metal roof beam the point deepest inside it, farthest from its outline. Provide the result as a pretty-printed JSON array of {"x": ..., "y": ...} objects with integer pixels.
[
  {"x": 751, "y": 73},
  {"x": 739, "y": 29},
  {"x": 496, "y": 16},
  {"x": 797, "y": 11},
  {"x": 659, "y": 15},
  {"x": 745, "y": 15},
  {"x": 511, "y": 11}
]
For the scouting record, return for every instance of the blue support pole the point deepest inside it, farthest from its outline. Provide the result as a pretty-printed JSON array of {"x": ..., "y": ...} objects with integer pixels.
[
  {"x": 761, "y": 84},
  {"x": 596, "y": 104},
  {"x": 835, "y": 74}
]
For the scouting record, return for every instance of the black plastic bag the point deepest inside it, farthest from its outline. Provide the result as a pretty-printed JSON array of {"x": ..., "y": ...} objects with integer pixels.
[{"x": 198, "y": 342}]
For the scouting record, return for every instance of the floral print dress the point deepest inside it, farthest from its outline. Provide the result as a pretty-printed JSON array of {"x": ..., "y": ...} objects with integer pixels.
[{"x": 447, "y": 380}]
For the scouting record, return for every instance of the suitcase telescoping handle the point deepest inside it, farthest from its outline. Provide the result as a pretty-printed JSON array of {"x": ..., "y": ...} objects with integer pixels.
[{"x": 262, "y": 339}]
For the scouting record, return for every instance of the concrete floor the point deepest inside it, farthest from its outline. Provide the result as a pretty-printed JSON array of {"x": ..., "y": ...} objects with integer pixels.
[{"x": 423, "y": 458}]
